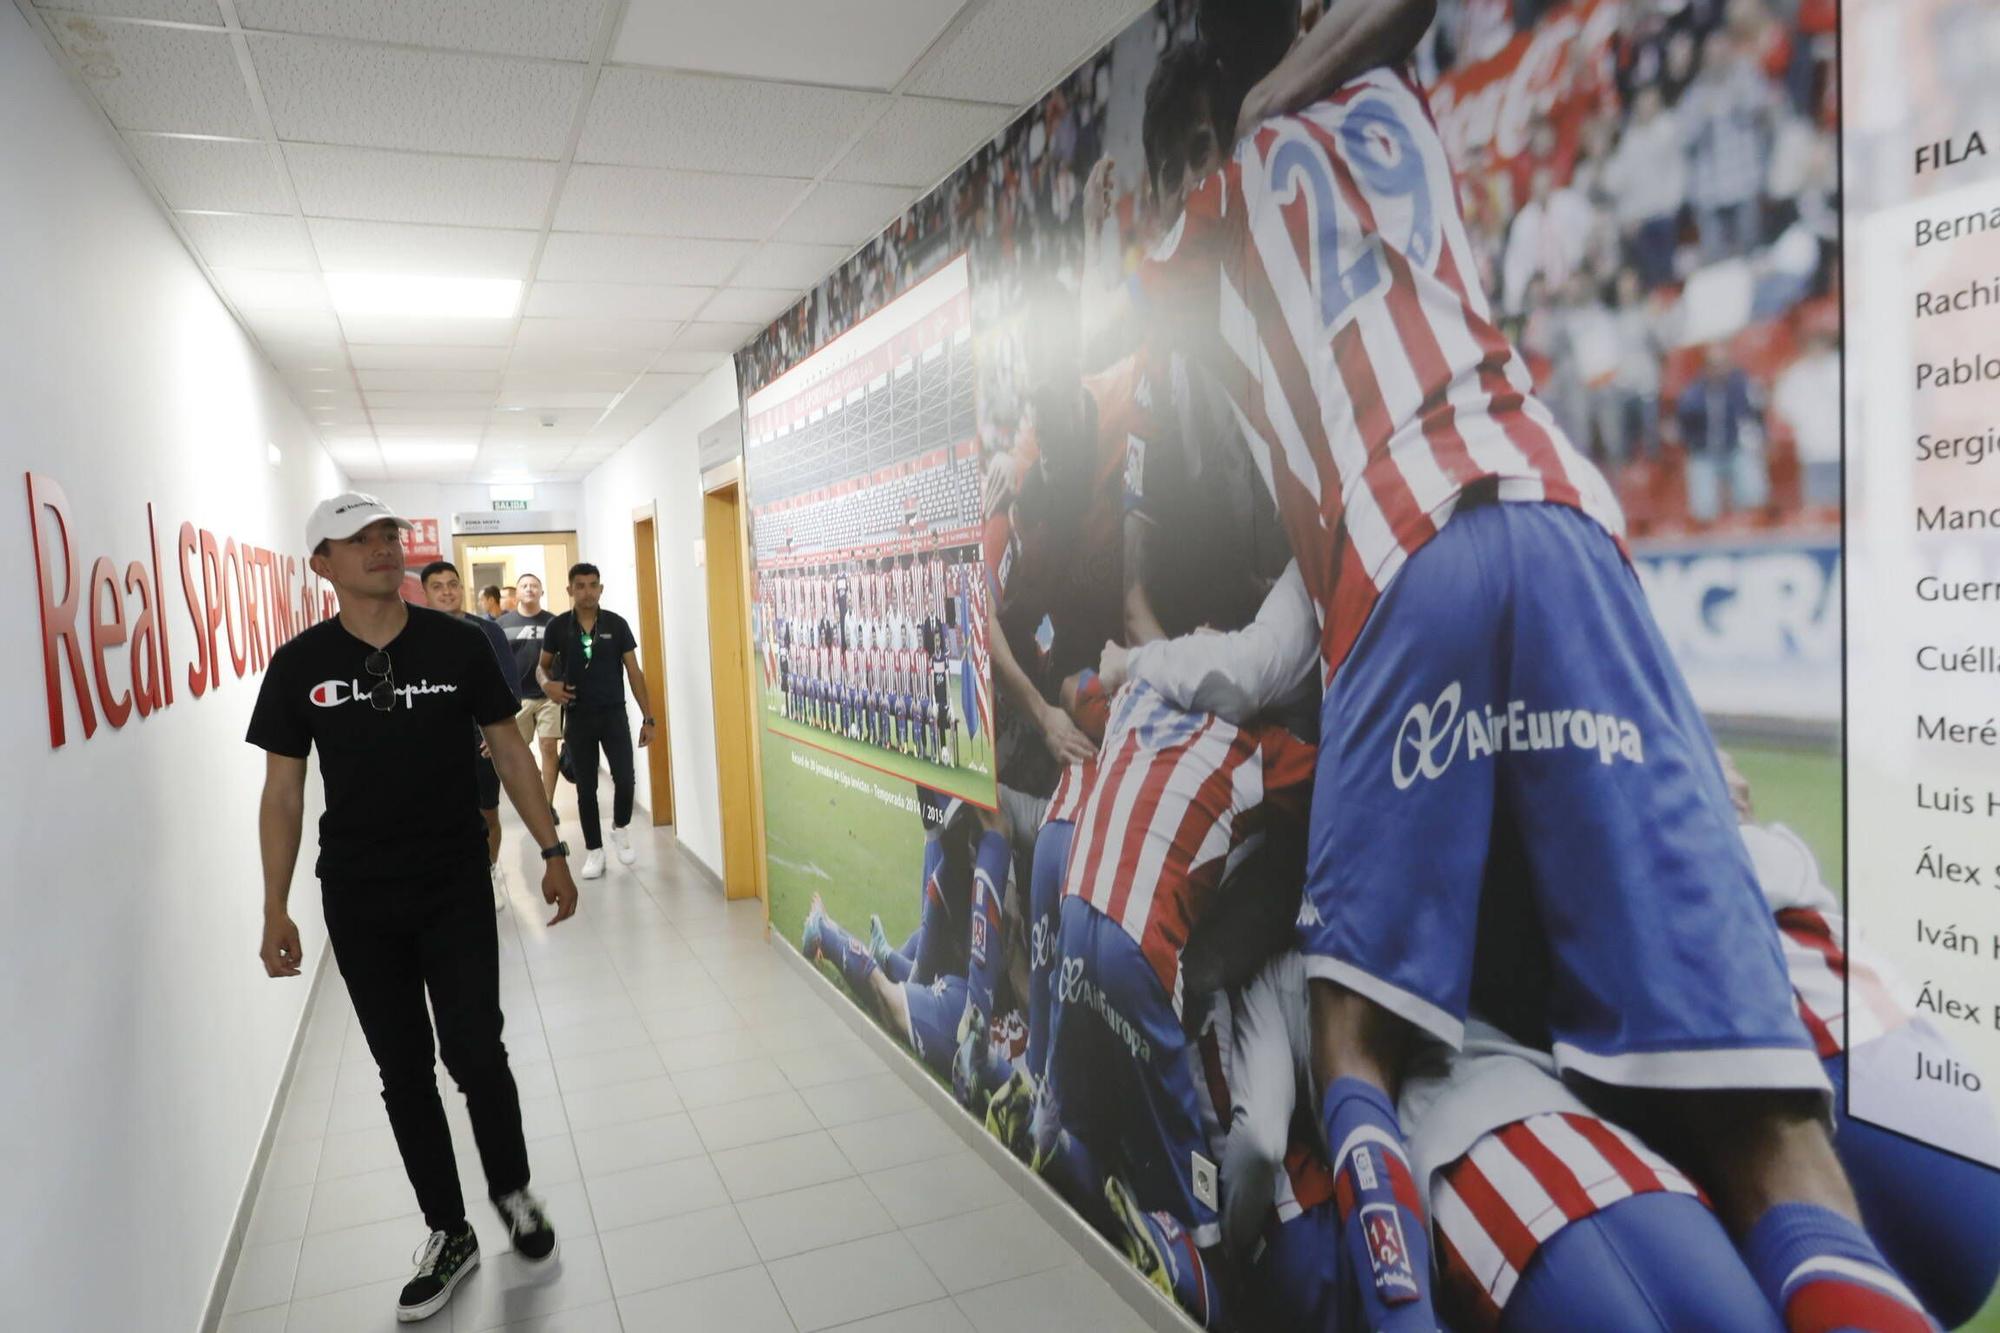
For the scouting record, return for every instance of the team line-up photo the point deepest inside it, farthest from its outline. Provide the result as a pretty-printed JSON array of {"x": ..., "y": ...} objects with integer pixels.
[{"x": 1367, "y": 930}]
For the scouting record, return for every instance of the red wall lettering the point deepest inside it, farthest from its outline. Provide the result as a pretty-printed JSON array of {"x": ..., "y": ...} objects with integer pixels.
[
  {"x": 197, "y": 669},
  {"x": 107, "y": 634},
  {"x": 58, "y": 618},
  {"x": 146, "y": 668},
  {"x": 249, "y": 591}
]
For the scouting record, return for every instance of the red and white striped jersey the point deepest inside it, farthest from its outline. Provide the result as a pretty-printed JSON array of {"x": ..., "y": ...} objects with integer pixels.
[
  {"x": 1828, "y": 969},
  {"x": 1492, "y": 1208},
  {"x": 1169, "y": 797},
  {"x": 1326, "y": 279}
]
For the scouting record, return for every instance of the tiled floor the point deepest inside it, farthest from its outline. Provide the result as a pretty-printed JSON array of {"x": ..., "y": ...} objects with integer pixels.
[{"x": 717, "y": 1149}]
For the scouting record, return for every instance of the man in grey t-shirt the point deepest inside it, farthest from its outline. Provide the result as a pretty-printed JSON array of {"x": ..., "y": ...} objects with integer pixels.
[{"x": 540, "y": 719}]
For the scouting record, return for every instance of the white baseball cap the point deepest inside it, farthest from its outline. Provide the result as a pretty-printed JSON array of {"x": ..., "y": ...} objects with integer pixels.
[{"x": 346, "y": 514}]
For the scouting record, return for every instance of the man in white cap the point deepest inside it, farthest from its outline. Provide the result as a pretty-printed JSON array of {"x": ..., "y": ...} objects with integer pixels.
[{"x": 383, "y": 691}]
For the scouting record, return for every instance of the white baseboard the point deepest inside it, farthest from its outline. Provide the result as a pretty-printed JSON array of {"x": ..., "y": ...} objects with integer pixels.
[{"x": 1146, "y": 1300}]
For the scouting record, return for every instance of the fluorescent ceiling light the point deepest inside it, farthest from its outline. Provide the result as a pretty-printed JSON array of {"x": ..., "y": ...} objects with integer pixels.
[
  {"x": 427, "y": 453},
  {"x": 420, "y": 296}
]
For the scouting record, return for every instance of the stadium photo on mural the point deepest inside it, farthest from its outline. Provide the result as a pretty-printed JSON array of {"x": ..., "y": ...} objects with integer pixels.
[{"x": 1298, "y": 600}]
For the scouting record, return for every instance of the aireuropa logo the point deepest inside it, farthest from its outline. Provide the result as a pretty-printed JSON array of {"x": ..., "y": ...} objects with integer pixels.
[{"x": 1429, "y": 740}]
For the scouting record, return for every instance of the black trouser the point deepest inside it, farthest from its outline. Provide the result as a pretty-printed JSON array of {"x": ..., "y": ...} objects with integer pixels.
[
  {"x": 587, "y": 729},
  {"x": 395, "y": 940}
]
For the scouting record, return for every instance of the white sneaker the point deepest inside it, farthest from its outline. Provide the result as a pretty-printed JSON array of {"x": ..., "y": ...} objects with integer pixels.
[
  {"x": 622, "y": 840},
  {"x": 499, "y": 888},
  {"x": 593, "y": 865}
]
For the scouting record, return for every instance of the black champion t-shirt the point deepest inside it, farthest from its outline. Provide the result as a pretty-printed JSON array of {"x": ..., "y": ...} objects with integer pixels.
[
  {"x": 599, "y": 676},
  {"x": 402, "y": 795},
  {"x": 525, "y": 637}
]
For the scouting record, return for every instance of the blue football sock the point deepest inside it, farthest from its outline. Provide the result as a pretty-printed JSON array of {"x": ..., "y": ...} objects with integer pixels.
[
  {"x": 1820, "y": 1270},
  {"x": 850, "y": 955},
  {"x": 1383, "y": 1231},
  {"x": 989, "y": 873}
]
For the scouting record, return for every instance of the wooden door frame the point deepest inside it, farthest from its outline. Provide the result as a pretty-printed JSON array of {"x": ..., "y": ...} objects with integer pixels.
[
  {"x": 653, "y": 656},
  {"x": 729, "y": 477},
  {"x": 463, "y": 542}
]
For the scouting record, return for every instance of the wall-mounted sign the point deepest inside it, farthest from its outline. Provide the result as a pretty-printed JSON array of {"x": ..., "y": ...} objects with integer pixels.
[
  {"x": 502, "y": 505},
  {"x": 420, "y": 543},
  {"x": 478, "y": 524},
  {"x": 720, "y": 443}
]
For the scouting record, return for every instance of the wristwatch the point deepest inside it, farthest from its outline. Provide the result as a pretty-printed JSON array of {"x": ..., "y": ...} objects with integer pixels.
[{"x": 551, "y": 853}]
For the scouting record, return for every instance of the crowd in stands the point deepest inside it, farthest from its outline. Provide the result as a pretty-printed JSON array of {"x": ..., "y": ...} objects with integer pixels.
[
  {"x": 1664, "y": 250},
  {"x": 937, "y": 498}
]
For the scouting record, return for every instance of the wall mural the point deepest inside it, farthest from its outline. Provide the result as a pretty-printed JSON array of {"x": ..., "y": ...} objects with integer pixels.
[{"x": 1088, "y": 503}]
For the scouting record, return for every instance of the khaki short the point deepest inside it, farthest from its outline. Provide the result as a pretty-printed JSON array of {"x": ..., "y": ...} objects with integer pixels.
[{"x": 539, "y": 717}]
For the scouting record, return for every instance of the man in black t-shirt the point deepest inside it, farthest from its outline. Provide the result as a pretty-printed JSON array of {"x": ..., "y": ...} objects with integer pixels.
[
  {"x": 446, "y": 592},
  {"x": 540, "y": 719},
  {"x": 587, "y": 656},
  {"x": 383, "y": 692}
]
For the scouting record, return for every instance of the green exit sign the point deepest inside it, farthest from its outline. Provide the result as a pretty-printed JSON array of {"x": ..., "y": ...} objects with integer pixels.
[{"x": 510, "y": 504}]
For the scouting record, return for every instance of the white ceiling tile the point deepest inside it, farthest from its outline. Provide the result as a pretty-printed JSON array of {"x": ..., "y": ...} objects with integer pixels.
[
  {"x": 644, "y": 118},
  {"x": 224, "y": 175},
  {"x": 557, "y": 29},
  {"x": 464, "y": 418},
  {"x": 596, "y": 257},
  {"x": 530, "y": 401},
  {"x": 271, "y": 289},
  {"x": 631, "y": 360},
  {"x": 467, "y": 426},
  {"x": 843, "y": 214},
  {"x": 430, "y": 101},
  {"x": 921, "y": 140},
  {"x": 421, "y": 398},
  {"x": 401, "y": 247},
  {"x": 689, "y": 363},
  {"x": 751, "y": 305},
  {"x": 520, "y": 427},
  {"x": 294, "y": 326},
  {"x": 715, "y": 337},
  {"x": 451, "y": 381},
  {"x": 335, "y": 378},
  {"x": 181, "y": 80},
  {"x": 403, "y": 330},
  {"x": 611, "y": 300},
  {"x": 354, "y": 454},
  {"x": 659, "y": 388},
  {"x": 329, "y": 419},
  {"x": 647, "y": 333},
  {"x": 250, "y": 240},
  {"x": 374, "y": 356},
  {"x": 785, "y": 265},
  {"x": 297, "y": 356},
  {"x": 389, "y": 186},
  {"x": 1015, "y": 50},
  {"x": 858, "y": 43},
  {"x": 520, "y": 386},
  {"x": 170, "y": 11},
  {"x": 674, "y": 203}
]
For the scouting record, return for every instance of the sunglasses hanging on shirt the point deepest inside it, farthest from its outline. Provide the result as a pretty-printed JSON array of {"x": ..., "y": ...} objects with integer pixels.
[{"x": 381, "y": 695}]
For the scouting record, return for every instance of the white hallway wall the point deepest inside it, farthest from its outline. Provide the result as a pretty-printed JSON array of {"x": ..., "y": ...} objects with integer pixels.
[
  {"x": 143, "y": 1046},
  {"x": 659, "y": 467}
]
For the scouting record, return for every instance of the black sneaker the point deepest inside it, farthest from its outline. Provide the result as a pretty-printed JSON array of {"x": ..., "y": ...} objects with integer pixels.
[
  {"x": 534, "y": 1238},
  {"x": 443, "y": 1260}
]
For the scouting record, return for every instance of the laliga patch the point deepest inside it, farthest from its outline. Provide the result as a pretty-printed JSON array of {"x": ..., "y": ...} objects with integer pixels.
[{"x": 1388, "y": 1255}]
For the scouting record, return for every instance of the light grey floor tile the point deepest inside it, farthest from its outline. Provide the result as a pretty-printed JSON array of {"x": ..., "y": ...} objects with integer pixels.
[
  {"x": 508, "y": 1289},
  {"x": 741, "y": 1301},
  {"x": 920, "y": 1192},
  {"x": 892, "y": 1140},
  {"x": 590, "y": 1319},
  {"x": 813, "y": 1218},
  {"x": 336, "y": 1260},
  {"x": 279, "y": 1214},
  {"x": 783, "y": 1164},
  {"x": 370, "y": 1308},
  {"x": 293, "y": 1164},
  {"x": 627, "y": 1198},
  {"x": 264, "y": 1276},
  {"x": 865, "y": 1098},
  {"x": 270, "y": 1319},
  {"x": 717, "y": 1084},
  {"x": 777, "y": 1115},
  {"x": 358, "y": 1151},
  {"x": 1063, "y": 1300},
  {"x": 680, "y": 1054},
  {"x": 830, "y": 1062},
  {"x": 931, "y": 1317},
  {"x": 578, "y": 1073},
  {"x": 353, "y": 1201},
  {"x": 992, "y": 1245},
  {"x": 842, "y": 1283},
  {"x": 675, "y": 1249},
  {"x": 613, "y": 1148},
  {"x": 620, "y": 1102}
]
